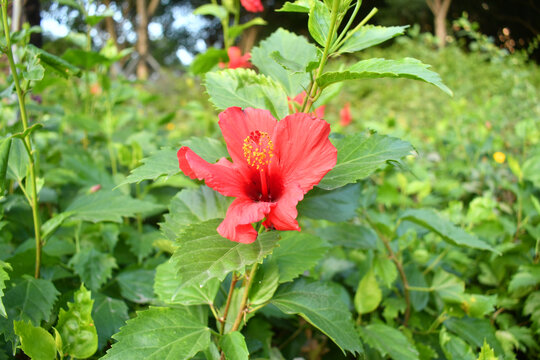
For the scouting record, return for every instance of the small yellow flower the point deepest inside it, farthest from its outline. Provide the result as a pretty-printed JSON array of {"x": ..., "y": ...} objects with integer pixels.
[
  {"x": 499, "y": 157},
  {"x": 170, "y": 126}
]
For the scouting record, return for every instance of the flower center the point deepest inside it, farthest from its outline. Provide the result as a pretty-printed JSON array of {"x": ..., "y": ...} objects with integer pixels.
[
  {"x": 258, "y": 149},
  {"x": 258, "y": 152}
]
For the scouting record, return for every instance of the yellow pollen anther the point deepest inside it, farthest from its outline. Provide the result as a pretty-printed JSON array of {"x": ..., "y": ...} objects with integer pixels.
[{"x": 258, "y": 149}]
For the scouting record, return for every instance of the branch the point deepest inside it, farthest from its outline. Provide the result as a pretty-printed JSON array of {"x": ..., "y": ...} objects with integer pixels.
[
  {"x": 431, "y": 5},
  {"x": 445, "y": 6},
  {"x": 152, "y": 7}
]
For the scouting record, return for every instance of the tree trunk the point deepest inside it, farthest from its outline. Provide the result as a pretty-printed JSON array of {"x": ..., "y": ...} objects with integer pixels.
[
  {"x": 439, "y": 8},
  {"x": 142, "y": 39},
  {"x": 16, "y": 15}
]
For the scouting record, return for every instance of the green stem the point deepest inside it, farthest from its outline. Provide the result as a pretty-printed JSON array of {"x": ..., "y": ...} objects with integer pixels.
[
  {"x": 26, "y": 140},
  {"x": 225, "y": 25},
  {"x": 243, "y": 307},
  {"x": 237, "y": 13},
  {"x": 362, "y": 23},
  {"x": 435, "y": 262},
  {"x": 333, "y": 20},
  {"x": 349, "y": 23}
]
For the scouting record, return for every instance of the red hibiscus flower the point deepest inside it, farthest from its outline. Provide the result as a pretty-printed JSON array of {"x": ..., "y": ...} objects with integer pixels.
[
  {"x": 236, "y": 59},
  {"x": 274, "y": 163},
  {"x": 345, "y": 115},
  {"x": 252, "y": 5},
  {"x": 299, "y": 99}
]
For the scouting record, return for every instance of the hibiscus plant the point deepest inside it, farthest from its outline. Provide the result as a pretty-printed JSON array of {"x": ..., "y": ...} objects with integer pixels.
[
  {"x": 260, "y": 208},
  {"x": 242, "y": 241}
]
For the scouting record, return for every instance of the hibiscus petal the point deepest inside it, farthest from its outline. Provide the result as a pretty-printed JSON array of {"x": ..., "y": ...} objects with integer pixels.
[
  {"x": 303, "y": 153},
  {"x": 236, "y": 125},
  {"x": 240, "y": 215},
  {"x": 223, "y": 176},
  {"x": 283, "y": 215}
]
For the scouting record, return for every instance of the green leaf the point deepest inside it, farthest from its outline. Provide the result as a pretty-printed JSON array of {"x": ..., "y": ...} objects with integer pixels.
[
  {"x": 107, "y": 205},
  {"x": 169, "y": 288},
  {"x": 237, "y": 30},
  {"x": 349, "y": 235},
  {"x": 419, "y": 299},
  {"x": 450, "y": 233},
  {"x": 36, "y": 342},
  {"x": 454, "y": 348},
  {"x": 245, "y": 88},
  {"x": 160, "y": 333},
  {"x": 532, "y": 308},
  {"x": 265, "y": 283},
  {"x": 93, "y": 20},
  {"x": 322, "y": 306},
  {"x": 31, "y": 299},
  {"x": 79, "y": 336},
  {"x": 5, "y": 146},
  {"x": 93, "y": 267},
  {"x": 53, "y": 223},
  {"x": 205, "y": 62},
  {"x": 335, "y": 205},
  {"x": 360, "y": 155},
  {"x": 527, "y": 276},
  {"x": 192, "y": 206},
  {"x": 449, "y": 287},
  {"x": 531, "y": 170},
  {"x": 476, "y": 305},
  {"x": 297, "y": 252},
  {"x": 203, "y": 254},
  {"x": 290, "y": 48},
  {"x": 137, "y": 285},
  {"x": 109, "y": 315},
  {"x": 385, "y": 270},
  {"x": 319, "y": 22},
  {"x": 487, "y": 353},
  {"x": 55, "y": 63},
  {"x": 34, "y": 70},
  {"x": 162, "y": 163},
  {"x": 234, "y": 346},
  {"x": 211, "y": 9},
  {"x": 3, "y": 278},
  {"x": 368, "y": 294},
  {"x": 87, "y": 60},
  {"x": 388, "y": 341},
  {"x": 370, "y": 35},
  {"x": 301, "y": 6},
  {"x": 17, "y": 165},
  {"x": 141, "y": 244},
  {"x": 475, "y": 332},
  {"x": 209, "y": 149},
  {"x": 378, "y": 68}
]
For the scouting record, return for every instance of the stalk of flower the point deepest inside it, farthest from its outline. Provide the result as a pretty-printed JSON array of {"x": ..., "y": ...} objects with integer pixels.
[{"x": 274, "y": 164}]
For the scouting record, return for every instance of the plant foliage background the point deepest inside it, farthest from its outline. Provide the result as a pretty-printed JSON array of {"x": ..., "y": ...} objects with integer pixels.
[{"x": 422, "y": 243}]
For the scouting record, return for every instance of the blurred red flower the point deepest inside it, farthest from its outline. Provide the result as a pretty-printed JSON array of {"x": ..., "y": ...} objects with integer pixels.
[
  {"x": 274, "y": 163},
  {"x": 236, "y": 59},
  {"x": 299, "y": 99},
  {"x": 345, "y": 115},
  {"x": 252, "y": 5}
]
